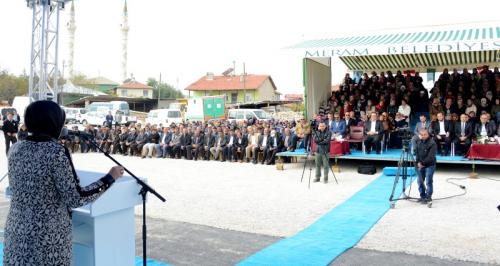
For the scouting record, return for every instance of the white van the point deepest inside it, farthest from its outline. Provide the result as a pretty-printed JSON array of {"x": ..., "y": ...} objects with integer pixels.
[
  {"x": 164, "y": 117},
  {"x": 96, "y": 110},
  {"x": 239, "y": 115},
  {"x": 74, "y": 115}
]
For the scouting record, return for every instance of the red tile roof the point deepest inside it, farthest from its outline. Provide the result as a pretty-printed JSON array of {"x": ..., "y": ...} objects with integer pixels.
[
  {"x": 132, "y": 84},
  {"x": 223, "y": 83}
]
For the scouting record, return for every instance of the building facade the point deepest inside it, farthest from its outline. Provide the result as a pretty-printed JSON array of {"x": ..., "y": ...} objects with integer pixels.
[
  {"x": 236, "y": 89},
  {"x": 134, "y": 89}
]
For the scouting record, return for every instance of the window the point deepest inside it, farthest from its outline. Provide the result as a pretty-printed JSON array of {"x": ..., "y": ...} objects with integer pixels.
[
  {"x": 260, "y": 114},
  {"x": 124, "y": 93},
  {"x": 145, "y": 93},
  {"x": 239, "y": 115},
  {"x": 234, "y": 97},
  {"x": 232, "y": 114},
  {"x": 248, "y": 115},
  {"x": 174, "y": 114},
  {"x": 248, "y": 97}
]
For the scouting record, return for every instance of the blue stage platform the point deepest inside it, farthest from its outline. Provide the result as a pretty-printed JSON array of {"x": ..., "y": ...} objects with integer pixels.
[{"x": 393, "y": 155}]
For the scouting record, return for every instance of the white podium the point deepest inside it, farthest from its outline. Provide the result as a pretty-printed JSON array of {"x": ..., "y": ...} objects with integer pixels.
[{"x": 104, "y": 231}]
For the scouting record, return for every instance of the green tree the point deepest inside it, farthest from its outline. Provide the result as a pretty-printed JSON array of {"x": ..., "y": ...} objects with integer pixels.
[
  {"x": 167, "y": 90},
  {"x": 12, "y": 85}
]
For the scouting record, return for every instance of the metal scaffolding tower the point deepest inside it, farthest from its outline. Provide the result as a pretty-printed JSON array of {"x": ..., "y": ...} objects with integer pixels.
[{"x": 44, "y": 72}]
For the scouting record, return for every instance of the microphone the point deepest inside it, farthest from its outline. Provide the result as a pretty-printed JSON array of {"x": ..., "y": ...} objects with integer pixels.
[{"x": 80, "y": 134}]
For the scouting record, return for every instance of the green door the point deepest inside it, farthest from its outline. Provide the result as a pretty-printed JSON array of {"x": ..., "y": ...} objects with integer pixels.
[{"x": 213, "y": 107}]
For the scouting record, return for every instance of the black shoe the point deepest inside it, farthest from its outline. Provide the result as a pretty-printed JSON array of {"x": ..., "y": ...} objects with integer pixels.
[
  {"x": 325, "y": 181},
  {"x": 316, "y": 180},
  {"x": 422, "y": 201}
]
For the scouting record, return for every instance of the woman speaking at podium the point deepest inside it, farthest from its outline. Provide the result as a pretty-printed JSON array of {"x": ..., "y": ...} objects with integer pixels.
[{"x": 45, "y": 188}]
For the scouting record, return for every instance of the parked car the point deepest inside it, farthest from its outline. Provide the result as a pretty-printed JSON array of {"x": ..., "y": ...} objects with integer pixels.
[
  {"x": 164, "y": 116},
  {"x": 74, "y": 115},
  {"x": 240, "y": 115}
]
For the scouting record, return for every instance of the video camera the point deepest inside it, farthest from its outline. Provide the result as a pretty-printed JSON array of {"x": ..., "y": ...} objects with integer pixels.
[
  {"x": 404, "y": 133},
  {"x": 314, "y": 125}
]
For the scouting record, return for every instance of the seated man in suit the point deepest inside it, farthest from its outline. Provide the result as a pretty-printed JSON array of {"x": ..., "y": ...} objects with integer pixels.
[
  {"x": 337, "y": 126},
  {"x": 287, "y": 140},
  {"x": 485, "y": 129},
  {"x": 441, "y": 131},
  {"x": 229, "y": 152},
  {"x": 463, "y": 135},
  {"x": 174, "y": 146},
  {"x": 208, "y": 143},
  {"x": 153, "y": 140},
  {"x": 219, "y": 145},
  {"x": 240, "y": 145},
  {"x": 252, "y": 143},
  {"x": 131, "y": 137},
  {"x": 161, "y": 147},
  {"x": 422, "y": 124},
  {"x": 185, "y": 142},
  {"x": 196, "y": 147},
  {"x": 274, "y": 145},
  {"x": 261, "y": 146},
  {"x": 349, "y": 121},
  {"x": 373, "y": 131}
]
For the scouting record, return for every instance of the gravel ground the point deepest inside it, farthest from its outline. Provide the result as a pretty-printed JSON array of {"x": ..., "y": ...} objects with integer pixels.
[
  {"x": 241, "y": 197},
  {"x": 464, "y": 228}
]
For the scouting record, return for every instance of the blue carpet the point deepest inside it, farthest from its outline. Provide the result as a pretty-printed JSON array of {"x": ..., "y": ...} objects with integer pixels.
[
  {"x": 149, "y": 262},
  {"x": 138, "y": 260},
  {"x": 334, "y": 233}
]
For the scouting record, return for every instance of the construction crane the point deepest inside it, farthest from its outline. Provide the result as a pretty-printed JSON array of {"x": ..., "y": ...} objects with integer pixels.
[{"x": 44, "y": 71}]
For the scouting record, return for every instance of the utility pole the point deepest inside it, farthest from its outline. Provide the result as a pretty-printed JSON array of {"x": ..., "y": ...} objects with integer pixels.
[
  {"x": 159, "y": 91},
  {"x": 244, "y": 83}
]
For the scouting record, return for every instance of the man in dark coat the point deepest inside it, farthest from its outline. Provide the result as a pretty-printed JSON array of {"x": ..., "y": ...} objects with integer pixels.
[
  {"x": 10, "y": 128},
  {"x": 322, "y": 138}
]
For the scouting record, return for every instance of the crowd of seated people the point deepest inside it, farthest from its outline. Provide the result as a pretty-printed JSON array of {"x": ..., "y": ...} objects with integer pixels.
[
  {"x": 256, "y": 142},
  {"x": 460, "y": 108}
]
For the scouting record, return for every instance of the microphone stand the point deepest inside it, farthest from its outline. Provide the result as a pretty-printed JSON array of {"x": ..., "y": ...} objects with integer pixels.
[{"x": 145, "y": 188}]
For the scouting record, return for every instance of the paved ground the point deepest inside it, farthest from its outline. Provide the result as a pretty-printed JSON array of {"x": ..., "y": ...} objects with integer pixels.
[
  {"x": 181, "y": 243},
  {"x": 358, "y": 257}
]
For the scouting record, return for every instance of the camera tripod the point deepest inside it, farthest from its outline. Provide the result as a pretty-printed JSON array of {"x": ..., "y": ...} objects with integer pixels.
[
  {"x": 406, "y": 161},
  {"x": 308, "y": 152}
]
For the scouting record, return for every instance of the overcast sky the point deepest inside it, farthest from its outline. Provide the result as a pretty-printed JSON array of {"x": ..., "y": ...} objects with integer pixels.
[{"x": 186, "y": 39}]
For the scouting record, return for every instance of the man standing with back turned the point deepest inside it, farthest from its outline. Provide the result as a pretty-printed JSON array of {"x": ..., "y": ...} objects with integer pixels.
[
  {"x": 322, "y": 138},
  {"x": 426, "y": 163}
]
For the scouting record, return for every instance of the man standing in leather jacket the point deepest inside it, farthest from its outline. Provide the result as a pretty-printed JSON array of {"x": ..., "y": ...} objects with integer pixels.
[
  {"x": 322, "y": 138},
  {"x": 426, "y": 163}
]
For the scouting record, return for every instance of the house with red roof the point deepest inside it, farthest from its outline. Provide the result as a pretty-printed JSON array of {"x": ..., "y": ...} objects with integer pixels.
[
  {"x": 134, "y": 89},
  {"x": 237, "y": 89}
]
